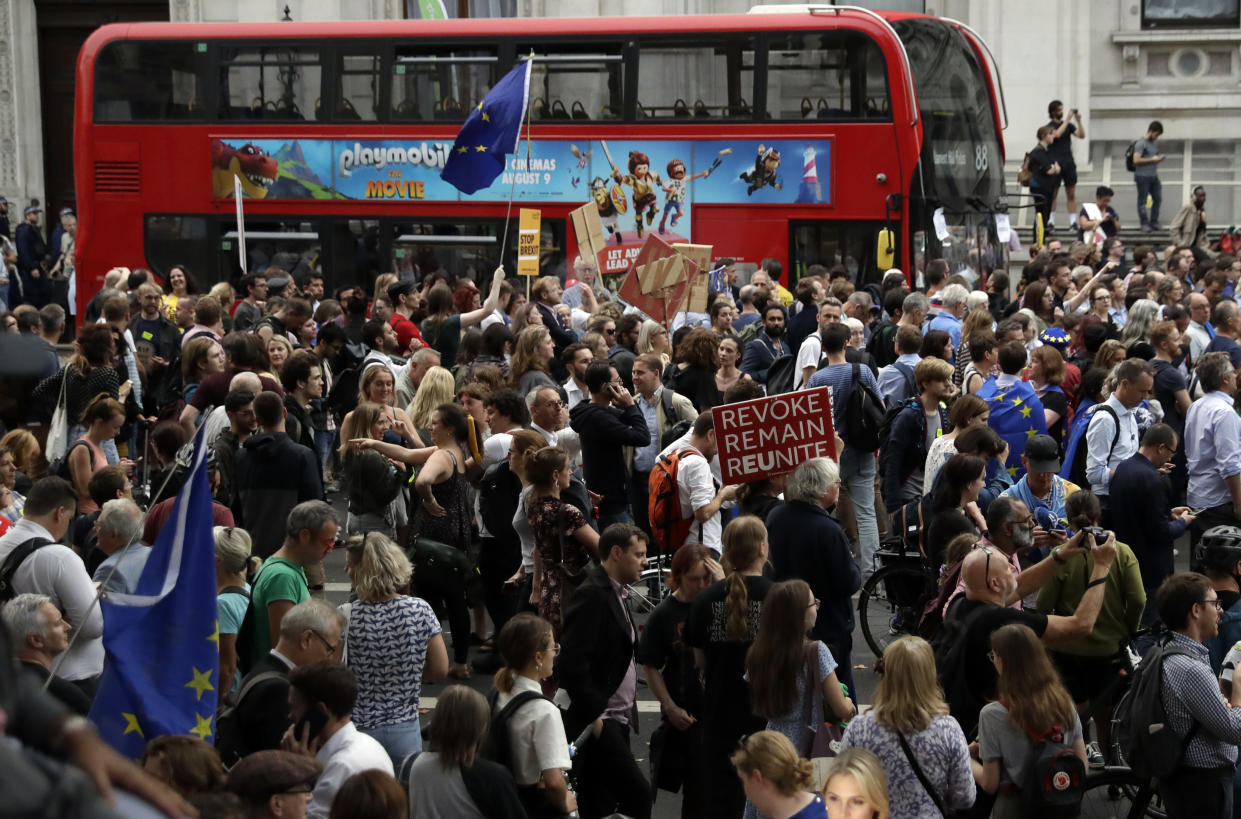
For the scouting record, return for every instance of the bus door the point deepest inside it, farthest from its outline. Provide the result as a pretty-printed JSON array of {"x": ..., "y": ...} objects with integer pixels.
[
  {"x": 468, "y": 248},
  {"x": 853, "y": 244}
]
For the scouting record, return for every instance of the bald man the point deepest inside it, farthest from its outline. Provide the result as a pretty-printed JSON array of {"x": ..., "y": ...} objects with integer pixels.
[
  {"x": 217, "y": 420},
  {"x": 991, "y": 583}
]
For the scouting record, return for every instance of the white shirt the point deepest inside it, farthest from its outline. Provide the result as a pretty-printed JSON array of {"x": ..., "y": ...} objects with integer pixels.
[
  {"x": 349, "y": 751},
  {"x": 536, "y": 735},
  {"x": 1100, "y": 431},
  {"x": 575, "y": 393},
  {"x": 1199, "y": 338},
  {"x": 376, "y": 357},
  {"x": 808, "y": 355},
  {"x": 566, "y": 439},
  {"x": 217, "y": 421},
  {"x": 696, "y": 487},
  {"x": 59, "y": 573},
  {"x": 1213, "y": 452}
]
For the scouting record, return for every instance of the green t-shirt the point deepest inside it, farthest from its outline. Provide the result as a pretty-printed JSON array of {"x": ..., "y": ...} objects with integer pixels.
[{"x": 279, "y": 579}]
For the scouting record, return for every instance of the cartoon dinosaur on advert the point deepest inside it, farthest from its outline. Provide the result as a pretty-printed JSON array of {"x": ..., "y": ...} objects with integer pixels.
[{"x": 256, "y": 170}]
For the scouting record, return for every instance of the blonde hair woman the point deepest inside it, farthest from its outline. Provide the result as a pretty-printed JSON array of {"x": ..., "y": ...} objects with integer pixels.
[
  {"x": 653, "y": 338},
  {"x": 776, "y": 780},
  {"x": 233, "y": 562},
  {"x": 856, "y": 786},
  {"x": 437, "y": 387},
  {"x": 379, "y": 386},
  {"x": 394, "y": 643},
  {"x": 909, "y": 711},
  {"x": 279, "y": 349}
]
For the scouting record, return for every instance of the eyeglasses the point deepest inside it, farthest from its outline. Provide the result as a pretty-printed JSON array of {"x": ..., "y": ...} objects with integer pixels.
[
  {"x": 332, "y": 649},
  {"x": 609, "y": 331},
  {"x": 555, "y": 649},
  {"x": 557, "y": 404},
  {"x": 815, "y": 603},
  {"x": 1214, "y": 601},
  {"x": 1103, "y": 298},
  {"x": 986, "y": 577},
  {"x": 991, "y": 656}
]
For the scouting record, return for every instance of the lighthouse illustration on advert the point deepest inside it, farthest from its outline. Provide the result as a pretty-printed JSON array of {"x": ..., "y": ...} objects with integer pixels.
[{"x": 809, "y": 191}]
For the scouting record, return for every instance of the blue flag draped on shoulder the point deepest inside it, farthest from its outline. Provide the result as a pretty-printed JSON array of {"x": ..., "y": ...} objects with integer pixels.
[
  {"x": 162, "y": 642},
  {"x": 490, "y": 132},
  {"x": 1016, "y": 415}
]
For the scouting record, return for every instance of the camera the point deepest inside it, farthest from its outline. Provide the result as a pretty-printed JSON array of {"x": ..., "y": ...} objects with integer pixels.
[{"x": 1097, "y": 532}]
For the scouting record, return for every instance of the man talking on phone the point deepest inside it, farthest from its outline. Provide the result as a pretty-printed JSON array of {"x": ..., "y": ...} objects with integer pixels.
[
  {"x": 321, "y": 700},
  {"x": 606, "y": 424}
]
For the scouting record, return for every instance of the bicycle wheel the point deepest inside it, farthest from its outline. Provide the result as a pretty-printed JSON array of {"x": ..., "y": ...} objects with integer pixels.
[
  {"x": 1115, "y": 793},
  {"x": 1119, "y": 740},
  {"x": 891, "y": 602}
]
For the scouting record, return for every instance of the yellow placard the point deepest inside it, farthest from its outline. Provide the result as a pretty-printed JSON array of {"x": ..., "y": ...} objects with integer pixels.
[{"x": 528, "y": 242}]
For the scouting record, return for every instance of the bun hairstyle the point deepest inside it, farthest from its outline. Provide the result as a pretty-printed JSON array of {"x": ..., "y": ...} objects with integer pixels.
[
  {"x": 771, "y": 753},
  {"x": 232, "y": 550},
  {"x": 541, "y": 464},
  {"x": 102, "y": 407},
  {"x": 522, "y": 637}
]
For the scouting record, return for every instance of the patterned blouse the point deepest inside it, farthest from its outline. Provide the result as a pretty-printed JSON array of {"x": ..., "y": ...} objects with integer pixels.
[
  {"x": 387, "y": 649},
  {"x": 941, "y": 751}
]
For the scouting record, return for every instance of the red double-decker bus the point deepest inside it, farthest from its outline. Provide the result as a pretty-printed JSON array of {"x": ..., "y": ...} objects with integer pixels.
[{"x": 799, "y": 133}]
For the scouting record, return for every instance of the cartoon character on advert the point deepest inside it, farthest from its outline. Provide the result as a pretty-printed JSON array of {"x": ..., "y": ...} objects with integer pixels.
[
  {"x": 606, "y": 202},
  {"x": 644, "y": 183},
  {"x": 809, "y": 192},
  {"x": 764, "y": 173},
  {"x": 674, "y": 201}
]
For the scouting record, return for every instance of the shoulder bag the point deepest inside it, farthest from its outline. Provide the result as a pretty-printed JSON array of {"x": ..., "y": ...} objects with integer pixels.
[
  {"x": 58, "y": 431},
  {"x": 926, "y": 783}
]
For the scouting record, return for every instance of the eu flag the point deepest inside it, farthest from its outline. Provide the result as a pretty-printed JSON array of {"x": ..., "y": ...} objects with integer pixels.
[
  {"x": 1016, "y": 415},
  {"x": 490, "y": 132},
  {"x": 162, "y": 642}
]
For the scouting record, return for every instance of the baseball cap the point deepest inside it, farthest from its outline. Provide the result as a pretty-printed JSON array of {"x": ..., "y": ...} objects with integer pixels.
[
  {"x": 264, "y": 774},
  {"x": 1042, "y": 453}
]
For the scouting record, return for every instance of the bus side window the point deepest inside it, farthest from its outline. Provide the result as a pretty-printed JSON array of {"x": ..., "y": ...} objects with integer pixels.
[
  {"x": 140, "y": 81},
  {"x": 274, "y": 83},
  {"x": 440, "y": 84},
  {"x": 827, "y": 76},
  {"x": 575, "y": 82},
  {"x": 699, "y": 79}
]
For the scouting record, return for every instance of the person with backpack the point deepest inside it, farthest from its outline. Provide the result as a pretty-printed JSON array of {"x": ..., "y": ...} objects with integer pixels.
[
  {"x": 1112, "y": 432},
  {"x": 527, "y": 731},
  {"x": 1194, "y": 754},
  {"x": 851, "y": 385},
  {"x": 233, "y": 563},
  {"x": 259, "y": 714},
  {"x": 1143, "y": 158},
  {"x": 768, "y": 346},
  {"x": 896, "y": 380},
  {"x": 810, "y": 355},
  {"x": 691, "y": 514},
  {"x": 1030, "y": 751},
  {"x": 668, "y": 414},
  {"x": 992, "y": 584},
  {"x": 1218, "y": 556},
  {"x": 912, "y": 427}
]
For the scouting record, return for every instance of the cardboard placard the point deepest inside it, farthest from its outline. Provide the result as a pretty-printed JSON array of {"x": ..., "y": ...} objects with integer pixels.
[
  {"x": 699, "y": 291},
  {"x": 588, "y": 230},
  {"x": 660, "y": 305},
  {"x": 774, "y": 435},
  {"x": 528, "y": 242}
]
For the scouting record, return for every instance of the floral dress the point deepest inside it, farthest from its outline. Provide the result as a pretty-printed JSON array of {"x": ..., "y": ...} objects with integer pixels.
[{"x": 553, "y": 523}]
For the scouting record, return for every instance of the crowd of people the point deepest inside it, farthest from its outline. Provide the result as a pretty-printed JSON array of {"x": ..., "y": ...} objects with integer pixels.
[{"x": 502, "y": 473}]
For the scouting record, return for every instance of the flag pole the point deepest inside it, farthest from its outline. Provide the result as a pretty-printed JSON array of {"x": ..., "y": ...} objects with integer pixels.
[{"x": 512, "y": 189}]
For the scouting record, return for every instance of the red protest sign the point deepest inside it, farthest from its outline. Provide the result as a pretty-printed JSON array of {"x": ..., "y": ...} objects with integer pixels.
[{"x": 772, "y": 436}]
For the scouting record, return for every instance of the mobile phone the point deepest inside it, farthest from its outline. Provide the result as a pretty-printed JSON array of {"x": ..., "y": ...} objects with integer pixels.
[
  {"x": 316, "y": 718},
  {"x": 1196, "y": 512}
]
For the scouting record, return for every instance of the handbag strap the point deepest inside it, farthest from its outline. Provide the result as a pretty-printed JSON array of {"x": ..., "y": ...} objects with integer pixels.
[
  {"x": 926, "y": 783},
  {"x": 812, "y": 653}
]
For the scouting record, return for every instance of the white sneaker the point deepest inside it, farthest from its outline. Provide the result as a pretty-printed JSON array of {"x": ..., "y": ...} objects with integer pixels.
[{"x": 1094, "y": 756}]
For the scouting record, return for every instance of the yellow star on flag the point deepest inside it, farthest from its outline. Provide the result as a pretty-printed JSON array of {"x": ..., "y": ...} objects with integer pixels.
[
  {"x": 1031, "y": 432},
  {"x": 1012, "y": 471},
  {"x": 131, "y": 725},
  {"x": 486, "y": 117},
  {"x": 479, "y": 107},
  {"x": 201, "y": 682},
  {"x": 463, "y": 150},
  {"x": 998, "y": 396},
  {"x": 480, "y": 147},
  {"x": 215, "y": 638},
  {"x": 1025, "y": 411},
  {"x": 203, "y": 729},
  {"x": 1016, "y": 402}
]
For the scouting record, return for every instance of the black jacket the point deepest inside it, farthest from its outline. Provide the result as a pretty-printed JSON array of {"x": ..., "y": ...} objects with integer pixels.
[
  {"x": 604, "y": 432},
  {"x": 163, "y": 385},
  {"x": 264, "y": 713},
  {"x": 299, "y": 425},
  {"x": 372, "y": 483},
  {"x": 274, "y": 474},
  {"x": 808, "y": 545},
  {"x": 596, "y": 649}
]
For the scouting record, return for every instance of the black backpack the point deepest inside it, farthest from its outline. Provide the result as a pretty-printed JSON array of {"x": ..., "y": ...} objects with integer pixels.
[
  {"x": 1130, "y": 165},
  {"x": 865, "y": 412},
  {"x": 498, "y": 493},
  {"x": 780, "y": 375},
  {"x": 950, "y": 650},
  {"x": 678, "y": 429},
  {"x": 60, "y": 466},
  {"x": 911, "y": 386},
  {"x": 497, "y": 747},
  {"x": 1148, "y": 743},
  {"x": 15, "y": 559},
  {"x": 1078, "y": 472},
  {"x": 1053, "y": 780},
  {"x": 228, "y": 736}
]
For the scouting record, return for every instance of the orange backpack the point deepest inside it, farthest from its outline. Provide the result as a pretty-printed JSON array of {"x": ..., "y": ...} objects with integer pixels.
[{"x": 669, "y": 525}]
